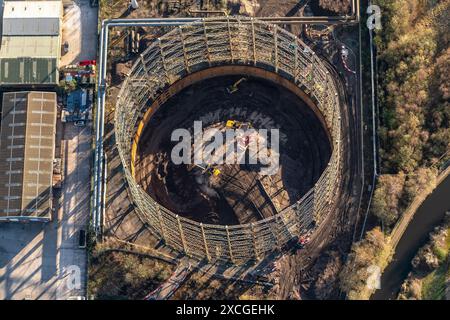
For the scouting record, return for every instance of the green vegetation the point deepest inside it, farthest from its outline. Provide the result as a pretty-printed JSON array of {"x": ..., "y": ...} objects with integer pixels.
[
  {"x": 67, "y": 86},
  {"x": 373, "y": 250},
  {"x": 441, "y": 250},
  {"x": 395, "y": 192},
  {"x": 431, "y": 267},
  {"x": 414, "y": 91},
  {"x": 387, "y": 197},
  {"x": 433, "y": 285},
  {"x": 413, "y": 60}
]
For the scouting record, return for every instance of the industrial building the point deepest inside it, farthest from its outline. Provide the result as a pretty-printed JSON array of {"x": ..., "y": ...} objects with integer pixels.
[
  {"x": 27, "y": 148},
  {"x": 30, "y": 42}
]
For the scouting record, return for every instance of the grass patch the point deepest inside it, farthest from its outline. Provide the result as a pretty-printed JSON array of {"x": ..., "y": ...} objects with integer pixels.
[
  {"x": 442, "y": 250},
  {"x": 433, "y": 285}
]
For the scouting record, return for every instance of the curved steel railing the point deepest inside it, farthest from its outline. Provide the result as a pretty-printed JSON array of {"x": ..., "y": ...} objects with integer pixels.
[{"x": 201, "y": 45}]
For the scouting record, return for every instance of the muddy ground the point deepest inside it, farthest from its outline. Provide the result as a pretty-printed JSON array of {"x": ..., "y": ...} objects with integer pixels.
[{"x": 239, "y": 194}]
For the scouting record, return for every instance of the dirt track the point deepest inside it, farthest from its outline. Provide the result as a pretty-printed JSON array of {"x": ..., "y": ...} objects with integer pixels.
[{"x": 299, "y": 272}]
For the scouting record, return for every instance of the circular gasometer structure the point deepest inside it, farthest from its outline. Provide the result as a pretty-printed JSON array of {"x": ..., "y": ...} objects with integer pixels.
[{"x": 241, "y": 74}]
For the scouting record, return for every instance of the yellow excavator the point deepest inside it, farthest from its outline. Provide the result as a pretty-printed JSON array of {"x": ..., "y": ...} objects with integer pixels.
[
  {"x": 210, "y": 169},
  {"x": 234, "y": 124}
]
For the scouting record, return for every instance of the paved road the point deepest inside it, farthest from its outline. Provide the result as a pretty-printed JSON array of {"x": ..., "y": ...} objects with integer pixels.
[
  {"x": 80, "y": 31},
  {"x": 37, "y": 260}
]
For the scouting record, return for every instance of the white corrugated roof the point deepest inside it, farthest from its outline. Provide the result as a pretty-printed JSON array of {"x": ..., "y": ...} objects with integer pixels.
[
  {"x": 32, "y": 18},
  {"x": 32, "y": 9},
  {"x": 31, "y": 27}
]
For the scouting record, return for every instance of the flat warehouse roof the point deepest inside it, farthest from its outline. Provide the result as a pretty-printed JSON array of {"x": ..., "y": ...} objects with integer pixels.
[
  {"x": 27, "y": 147},
  {"x": 21, "y": 71},
  {"x": 32, "y": 18},
  {"x": 32, "y": 9},
  {"x": 36, "y": 47},
  {"x": 31, "y": 26}
]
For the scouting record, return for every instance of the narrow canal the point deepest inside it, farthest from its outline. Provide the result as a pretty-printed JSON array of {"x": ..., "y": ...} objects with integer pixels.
[{"x": 429, "y": 214}]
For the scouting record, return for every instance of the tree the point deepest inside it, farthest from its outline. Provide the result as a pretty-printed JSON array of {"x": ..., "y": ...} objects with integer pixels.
[
  {"x": 385, "y": 202},
  {"x": 373, "y": 250},
  {"x": 422, "y": 180},
  {"x": 443, "y": 70},
  {"x": 414, "y": 58}
]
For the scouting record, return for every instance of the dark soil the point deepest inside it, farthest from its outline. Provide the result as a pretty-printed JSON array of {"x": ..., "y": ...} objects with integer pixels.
[{"x": 239, "y": 194}]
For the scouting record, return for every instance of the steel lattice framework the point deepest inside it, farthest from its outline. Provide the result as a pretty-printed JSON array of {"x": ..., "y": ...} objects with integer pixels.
[{"x": 203, "y": 46}]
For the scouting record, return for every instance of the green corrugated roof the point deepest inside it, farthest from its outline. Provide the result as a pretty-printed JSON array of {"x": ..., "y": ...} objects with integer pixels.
[{"x": 19, "y": 71}]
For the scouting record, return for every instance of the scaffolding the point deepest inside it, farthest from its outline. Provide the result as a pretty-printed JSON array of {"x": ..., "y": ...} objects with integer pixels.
[{"x": 203, "y": 46}]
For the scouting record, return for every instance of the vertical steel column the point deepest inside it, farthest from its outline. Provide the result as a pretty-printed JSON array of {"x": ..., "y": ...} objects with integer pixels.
[
  {"x": 208, "y": 54},
  {"x": 328, "y": 92},
  {"x": 296, "y": 71},
  {"x": 252, "y": 229},
  {"x": 144, "y": 66},
  {"x": 163, "y": 61},
  {"x": 229, "y": 244},
  {"x": 161, "y": 222},
  {"x": 313, "y": 70},
  {"x": 183, "y": 239},
  {"x": 275, "y": 35},
  {"x": 278, "y": 234},
  {"x": 254, "y": 41},
  {"x": 230, "y": 39},
  {"x": 186, "y": 60},
  {"x": 208, "y": 256},
  {"x": 328, "y": 196},
  {"x": 314, "y": 201}
]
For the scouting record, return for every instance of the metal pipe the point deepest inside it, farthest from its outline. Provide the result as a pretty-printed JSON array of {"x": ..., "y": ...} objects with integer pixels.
[
  {"x": 98, "y": 197},
  {"x": 208, "y": 12},
  {"x": 274, "y": 20},
  {"x": 98, "y": 119},
  {"x": 353, "y": 17},
  {"x": 102, "y": 129}
]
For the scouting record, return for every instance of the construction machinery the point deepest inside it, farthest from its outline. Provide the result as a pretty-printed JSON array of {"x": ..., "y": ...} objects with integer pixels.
[
  {"x": 235, "y": 87},
  {"x": 234, "y": 124},
  {"x": 210, "y": 169}
]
